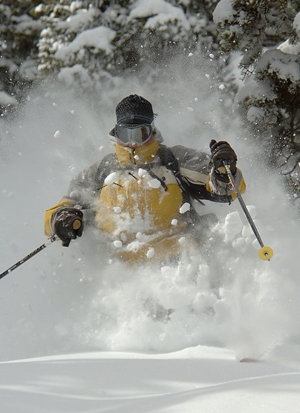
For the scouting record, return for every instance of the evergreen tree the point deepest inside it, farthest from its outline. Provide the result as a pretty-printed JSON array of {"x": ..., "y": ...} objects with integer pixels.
[
  {"x": 91, "y": 43},
  {"x": 249, "y": 26},
  {"x": 269, "y": 101},
  {"x": 135, "y": 36},
  {"x": 18, "y": 52}
]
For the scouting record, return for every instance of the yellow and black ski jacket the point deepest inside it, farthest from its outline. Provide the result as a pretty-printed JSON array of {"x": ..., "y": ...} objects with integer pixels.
[{"x": 148, "y": 190}]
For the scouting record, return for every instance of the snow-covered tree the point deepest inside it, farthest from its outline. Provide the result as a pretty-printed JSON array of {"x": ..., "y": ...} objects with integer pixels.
[
  {"x": 18, "y": 53},
  {"x": 265, "y": 33},
  {"x": 248, "y": 26},
  {"x": 271, "y": 102},
  {"x": 88, "y": 44}
]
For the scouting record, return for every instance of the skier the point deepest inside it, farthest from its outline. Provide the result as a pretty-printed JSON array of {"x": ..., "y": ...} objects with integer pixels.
[{"x": 142, "y": 195}]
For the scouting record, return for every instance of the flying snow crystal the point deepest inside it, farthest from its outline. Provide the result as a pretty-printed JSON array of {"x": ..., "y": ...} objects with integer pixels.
[
  {"x": 154, "y": 183},
  {"x": 184, "y": 208},
  {"x": 222, "y": 87},
  {"x": 233, "y": 225},
  {"x": 57, "y": 134},
  {"x": 190, "y": 109},
  {"x": 117, "y": 210},
  {"x": 134, "y": 246},
  {"x": 118, "y": 244},
  {"x": 247, "y": 231},
  {"x": 136, "y": 157},
  {"x": 111, "y": 178},
  {"x": 151, "y": 253},
  {"x": 141, "y": 172},
  {"x": 190, "y": 54},
  {"x": 174, "y": 222},
  {"x": 181, "y": 240}
]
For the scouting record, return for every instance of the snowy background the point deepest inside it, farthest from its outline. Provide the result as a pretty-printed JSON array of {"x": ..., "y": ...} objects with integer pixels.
[{"x": 95, "y": 334}]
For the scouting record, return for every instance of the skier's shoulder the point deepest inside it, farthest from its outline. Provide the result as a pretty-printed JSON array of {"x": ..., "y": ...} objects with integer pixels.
[
  {"x": 190, "y": 158},
  {"x": 184, "y": 152},
  {"x": 90, "y": 173},
  {"x": 107, "y": 161}
]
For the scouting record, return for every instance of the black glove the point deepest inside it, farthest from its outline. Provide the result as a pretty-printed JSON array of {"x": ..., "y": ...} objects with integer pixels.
[
  {"x": 222, "y": 152},
  {"x": 68, "y": 224}
]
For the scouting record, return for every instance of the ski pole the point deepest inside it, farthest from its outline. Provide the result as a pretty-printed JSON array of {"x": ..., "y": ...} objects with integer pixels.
[
  {"x": 265, "y": 253},
  {"x": 36, "y": 251},
  {"x": 76, "y": 225}
]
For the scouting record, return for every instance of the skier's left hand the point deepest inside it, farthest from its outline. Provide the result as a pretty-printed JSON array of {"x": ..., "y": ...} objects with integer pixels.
[{"x": 222, "y": 152}]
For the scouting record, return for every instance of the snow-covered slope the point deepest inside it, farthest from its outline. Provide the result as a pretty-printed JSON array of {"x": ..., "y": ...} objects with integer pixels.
[{"x": 200, "y": 378}]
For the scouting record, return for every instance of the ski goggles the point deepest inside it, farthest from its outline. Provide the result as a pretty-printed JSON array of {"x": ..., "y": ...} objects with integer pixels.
[{"x": 137, "y": 134}]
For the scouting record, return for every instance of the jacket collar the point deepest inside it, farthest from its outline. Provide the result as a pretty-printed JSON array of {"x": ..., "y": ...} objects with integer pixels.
[{"x": 140, "y": 155}]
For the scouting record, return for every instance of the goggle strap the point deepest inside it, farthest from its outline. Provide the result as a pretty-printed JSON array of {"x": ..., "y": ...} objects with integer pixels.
[{"x": 146, "y": 118}]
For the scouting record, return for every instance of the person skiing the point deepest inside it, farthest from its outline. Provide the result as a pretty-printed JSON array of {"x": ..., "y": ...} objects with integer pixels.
[{"x": 141, "y": 197}]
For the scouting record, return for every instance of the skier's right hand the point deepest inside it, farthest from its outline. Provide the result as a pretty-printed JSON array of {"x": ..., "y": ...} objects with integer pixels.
[
  {"x": 222, "y": 152},
  {"x": 68, "y": 224}
]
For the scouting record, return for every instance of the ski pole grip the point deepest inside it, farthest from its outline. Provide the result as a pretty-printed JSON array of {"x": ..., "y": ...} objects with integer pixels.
[{"x": 76, "y": 224}]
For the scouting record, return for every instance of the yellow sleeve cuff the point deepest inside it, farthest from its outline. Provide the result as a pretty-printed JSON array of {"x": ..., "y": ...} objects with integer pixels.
[{"x": 48, "y": 215}]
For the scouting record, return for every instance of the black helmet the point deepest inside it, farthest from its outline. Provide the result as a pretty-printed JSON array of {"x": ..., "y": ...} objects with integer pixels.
[{"x": 133, "y": 110}]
